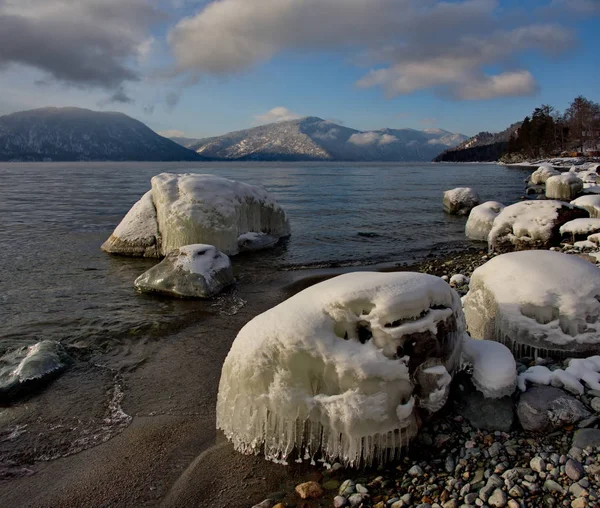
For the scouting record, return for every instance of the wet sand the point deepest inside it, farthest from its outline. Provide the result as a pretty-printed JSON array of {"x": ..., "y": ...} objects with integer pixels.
[{"x": 169, "y": 453}]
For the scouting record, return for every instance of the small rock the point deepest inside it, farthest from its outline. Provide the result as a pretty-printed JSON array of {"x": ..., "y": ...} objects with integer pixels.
[
  {"x": 586, "y": 437},
  {"x": 580, "y": 502},
  {"x": 495, "y": 449},
  {"x": 309, "y": 490},
  {"x": 339, "y": 501},
  {"x": 516, "y": 491},
  {"x": 578, "y": 491},
  {"x": 470, "y": 498},
  {"x": 355, "y": 499},
  {"x": 451, "y": 503},
  {"x": 552, "y": 486},
  {"x": 537, "y": 464},
  {"x": 331, "y": 485},
  {"x": 497, "y": 499},
  {"x": 574, "y": 470},
  {"x": 361, "y": 489},
  {"x": 596, "y": 404},
  {"x": 513, "y": 504},
  {"x": 347, "y": 488},
  {"x": 415, "y": 471}
]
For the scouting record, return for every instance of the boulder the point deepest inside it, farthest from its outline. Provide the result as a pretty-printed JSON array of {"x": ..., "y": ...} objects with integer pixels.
[
  {"x": 186, "y": 209},
  {"x": 545, "y": 409},
  {"x": 531, "y": 225},
  {"x": 587, "y": 437},
  {"x": 590, "y": 203},
  {"x": 481, "y": 220},
  {"x": 460, "y": 201},
  {"x": 539, "y": 302},
  {"x": 579, "y": 229},
  {"x": 192, "y": 271},
  {"x": 541, "y": 174},
  {"x": 565, "y": 186}
]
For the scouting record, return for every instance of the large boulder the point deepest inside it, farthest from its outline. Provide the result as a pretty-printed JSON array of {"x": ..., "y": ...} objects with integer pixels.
[
  {"x": 591, "y": 203},
  {"x": 542, "y": 173},
  {"x": 565, "y": 186},
  {"x": 343, "y": 367},
  {"x": 531, "y": 225},
  {"x": 538, "y": 302},
  {"x": 460, "y": 201},
  {"x": 186, "y": 209},
  {"x": 192, "y": 271},
  {"x": 481, "y": 219},
  {"x": 580, "y": 229}
]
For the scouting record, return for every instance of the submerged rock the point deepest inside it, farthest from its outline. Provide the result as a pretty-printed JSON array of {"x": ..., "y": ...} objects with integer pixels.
[
  {"x": 194, "y": 271},
  {"x": 460, "y": 201},
  {"x": 30, "y": 365}
]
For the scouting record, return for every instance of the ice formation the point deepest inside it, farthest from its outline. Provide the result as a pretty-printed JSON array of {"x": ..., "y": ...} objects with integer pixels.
[
  {"x": 541, "y": 174},
  {"x": 578, "y": 371},
  {"x": 590, "y": 203},
  {"x": 531, "y": 224},
  {"x": 541, "y": 302},
  {"x": 494, "y": 367},
  {"x": 256, "y": 241},
  {"x": 342, "y": 367},
  {"x": 137, "y": 234},
  {"x": 198, "y": 270},
  {"x": 481, "y": 220},
  {"x": 186, "y": 209},
  {"x": 580, "y": 227},
  {"x": 459, "y": 280},
  {"x": 460, "y": 201},
  {"x": 565, "y": 186}
]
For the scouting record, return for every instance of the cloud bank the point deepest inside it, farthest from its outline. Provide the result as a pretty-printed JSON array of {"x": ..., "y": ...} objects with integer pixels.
[{"x": 278, "y": 114}]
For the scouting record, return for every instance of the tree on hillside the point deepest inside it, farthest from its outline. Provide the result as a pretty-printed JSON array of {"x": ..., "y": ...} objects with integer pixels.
[
  {"x": 542, "y": 131},
  {"x": 583, "y": 119}
]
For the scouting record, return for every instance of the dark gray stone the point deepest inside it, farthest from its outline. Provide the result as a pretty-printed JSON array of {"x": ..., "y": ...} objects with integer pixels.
[
  {"x": 488, "y": 414},
  {"x": 586, "y": 437}
]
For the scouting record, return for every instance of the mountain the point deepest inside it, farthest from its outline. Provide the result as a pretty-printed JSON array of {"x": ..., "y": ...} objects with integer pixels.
[
  {"x": 313, "y": 138},
  {"x": 73, "y": 134},
  {"x": 483, "y": 147}
]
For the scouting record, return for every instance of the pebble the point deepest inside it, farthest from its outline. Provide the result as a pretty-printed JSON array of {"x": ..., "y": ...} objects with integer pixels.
[
  {"x": 495, "y": 449},
  {"x": 537, "y": 464},
  {"x": 578, "y": 491},
  {"x": 580, "y": 502},
  {"x": 309, "y": 490},
  {"x": 347, "y": 488},
  {"x": 552, "y": 486},
  {"x": 574, "y": 470},
  {"x": 355, "y": 499},
  {"x": 339, "y": 501},
  {"x": 513, "y": 504},
  {"x": 516, "y": 491},
  {"x": 415, "y": 471},
  {"x": 596, "y": 404},
  {"x": 497, "y": 499}
]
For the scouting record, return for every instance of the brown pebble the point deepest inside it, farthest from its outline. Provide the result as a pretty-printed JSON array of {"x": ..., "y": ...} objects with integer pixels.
[{"x": 309, "y": 490}]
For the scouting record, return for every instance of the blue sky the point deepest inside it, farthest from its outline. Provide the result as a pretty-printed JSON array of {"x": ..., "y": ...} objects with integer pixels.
[{"x": 200, "y": 68}]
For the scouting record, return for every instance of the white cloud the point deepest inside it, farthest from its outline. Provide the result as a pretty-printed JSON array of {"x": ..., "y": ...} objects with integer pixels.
[
  {"x": 278, "y": 114},
  {"x": 371, "y": 138},
  {"x": 414, "y": 44},
  {"x": 172, "y": 133}
]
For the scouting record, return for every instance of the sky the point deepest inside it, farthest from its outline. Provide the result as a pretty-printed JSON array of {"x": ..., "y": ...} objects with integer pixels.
[{"x": 198, "y": 68}]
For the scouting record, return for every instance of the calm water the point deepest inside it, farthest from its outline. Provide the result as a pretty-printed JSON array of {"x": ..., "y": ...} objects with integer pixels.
[{"x": 55, "y": 283}]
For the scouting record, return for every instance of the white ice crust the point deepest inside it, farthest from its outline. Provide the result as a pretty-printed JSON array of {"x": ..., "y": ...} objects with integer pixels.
[
  {"x": 481, "y": 220},
  {"x": 544, "y": 301},
  {"x": 580, "y": 227},
  {"x": 579, "y": 371},
  {"x": 564, "y": 186},
  {"x": 305, "y": 374},
  {"x": 460, "y": 200},
  {"x": 590, "y": 203},
  {"x": 196, "y": 208},
  {"x": 541, "y": 174},
  {"x": 494, "y": 367}
]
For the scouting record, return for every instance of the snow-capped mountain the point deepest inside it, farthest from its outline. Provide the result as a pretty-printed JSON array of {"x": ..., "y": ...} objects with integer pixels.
[
  {"x": 73, "y": 134},
  {"x": 312, "y": 138}
]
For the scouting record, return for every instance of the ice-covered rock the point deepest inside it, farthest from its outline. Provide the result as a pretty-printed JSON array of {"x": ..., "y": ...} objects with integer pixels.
[
  {"x": 186, "y": 209},
  {"x": 588, "y": 177},
  {"x": 541, "y": 174},
  {"x": 25, "y": 365},
  {"x": 137, "y": 234},
  {"x": 578, "y": 228},
  {"x": 196, "y": 271},
  {"x": 572, "y": 379},
  {"x": 590, "y": 203},
  {"x": 458, "y": 280},
  {"x": 543, "y": 302},
  {"x": 481, "y": 220},
  {"x": 565, "y": 186},
  {"x": 342, "y": 367},
  {"x": 460, "y": 201},
  {"x": 494, "y": 367},
  {"x": 531, "y": 225}
]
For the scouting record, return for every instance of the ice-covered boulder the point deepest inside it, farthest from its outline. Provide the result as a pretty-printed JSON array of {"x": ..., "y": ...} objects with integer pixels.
[
  {"x": 342, "y": 367},
  {"x": 481, "y": 220},
  {"x": 137, "y": 234},
  {"x": 572, "y": 379},
  {"x": 531, "y": 225},
  {"x": 580, "y": 228},
  {"x": 194, "y": 271},
  {"x": 565, "y": 186},
  {"x": 536, "y": 302},
  {"x": 590, "y": 203},
  {"x": 186, "y": 209},
  {"x": 541, "y": 174},
  {"x": 30, "y": 364},
  {"x": 460, "y": 201}
]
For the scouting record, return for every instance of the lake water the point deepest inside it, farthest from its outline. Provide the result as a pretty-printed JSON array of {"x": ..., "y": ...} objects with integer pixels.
[{"x": 57, "y": 284}]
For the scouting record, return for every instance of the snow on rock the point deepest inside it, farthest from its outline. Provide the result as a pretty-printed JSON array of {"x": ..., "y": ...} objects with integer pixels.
[
  {"x": 580, "y": 227},
  {"x": 458, "y": 280},
  {"x": 531, "y": 224},
  {"x": 137, "y": 234},
  {"x": 536, "y": 301},
  {"x": 591, "y": 189},
  {"x": 249, "y": 242},
  {"x": 590, "y": 203},
  {"x": 30, "y": 364},
  {"x": 541, "y": 174},
  {"x": 572, "y": 379},
  {"x": 565, "y": 186},
  {"x": 197, "y": 271},
  {"x": 481, "y": 220},
  {"x": 588, "y": 177},
  {"x": 460, "y": 201},
  {"x": 585, "y": 244},
  {"x": 494, "y": 367},
  {"x": 342, "y": 367}
]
